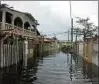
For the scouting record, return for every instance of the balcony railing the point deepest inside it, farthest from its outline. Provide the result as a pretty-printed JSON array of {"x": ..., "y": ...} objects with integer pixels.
[
  {"x": 17, "y": 30},
  {"x": 29, "y": 33}
]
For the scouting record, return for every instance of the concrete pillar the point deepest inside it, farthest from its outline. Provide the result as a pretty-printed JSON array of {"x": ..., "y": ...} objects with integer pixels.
[
  {"x": 13, "y": 21},
  {"x": 3, "y": 19},
  {"x": 25, "y": 52},
  {"x": 23, "y": 27},
  {"x": 1, "y": 53}
]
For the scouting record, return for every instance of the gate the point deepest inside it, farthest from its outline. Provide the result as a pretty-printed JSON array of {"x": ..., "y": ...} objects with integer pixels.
[{"x": 11, "y": 54}]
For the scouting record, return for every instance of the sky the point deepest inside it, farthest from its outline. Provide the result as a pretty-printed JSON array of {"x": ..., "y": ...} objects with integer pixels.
[{"x": 54, "y": 16}]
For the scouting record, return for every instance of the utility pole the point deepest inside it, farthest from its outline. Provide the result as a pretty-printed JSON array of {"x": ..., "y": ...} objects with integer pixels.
[
  {"x": 68, "y": 36},
  {"x": 71, "y": 23},
  {"x": 71, "y": 39}
]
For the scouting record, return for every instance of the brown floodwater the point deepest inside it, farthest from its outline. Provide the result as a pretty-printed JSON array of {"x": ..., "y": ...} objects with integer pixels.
[{"x": 52, "y": 68}]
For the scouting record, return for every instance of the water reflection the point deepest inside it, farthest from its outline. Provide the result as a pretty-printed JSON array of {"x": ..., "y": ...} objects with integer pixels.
[
  {"x": 55, "y": 67},
  {"x": 86, "y": 68},
  {"x": 28, "y": 74}
]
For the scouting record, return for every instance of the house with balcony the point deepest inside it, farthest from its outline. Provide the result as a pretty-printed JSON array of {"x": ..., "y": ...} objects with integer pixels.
[
  {"x": 18, "y": 32},
  {"x": 19, "y": 22}
]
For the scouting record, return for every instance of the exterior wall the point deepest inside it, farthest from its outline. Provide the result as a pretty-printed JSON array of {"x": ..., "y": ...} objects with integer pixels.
[
  {"x": 24, "y": 50},
  {"x": 30, "y": 48},
  {"x": 80, "y": 49},
  {"x": 89, "y": 51},
  {"x": 51, "y": 46},
  {"x": 95, "y": 54},
  {"x": 46, "y": 46},
  {"x": 95, "y": 59},
  {"x": 23, "y": 17},
  {"x": 10, "y": 54}
]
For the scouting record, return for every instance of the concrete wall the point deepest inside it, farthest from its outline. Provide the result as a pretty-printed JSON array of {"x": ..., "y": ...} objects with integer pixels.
[
  {"x": 15, "y": 14},
  {"x": 95, "y": 54},
  {"x": 88, "y": 51},
  {"x": 80, "y": 49},
  {"x": 51, "y": 46},
  {"x": 85, "y": 50},
  {"x": 95, "y": 59}
]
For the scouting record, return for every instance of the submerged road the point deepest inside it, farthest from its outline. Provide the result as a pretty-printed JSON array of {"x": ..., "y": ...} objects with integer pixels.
[{"x": 55, "y": 68}]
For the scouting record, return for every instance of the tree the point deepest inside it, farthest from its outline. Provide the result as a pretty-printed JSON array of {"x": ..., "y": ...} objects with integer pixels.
[
  {"x": 4, "y": 5},
  {"x": 88, "y": 29},
  {"x": 77, "y": 32}
]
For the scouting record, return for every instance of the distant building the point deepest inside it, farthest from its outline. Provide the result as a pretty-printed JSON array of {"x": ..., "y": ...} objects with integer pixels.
[{"x": 51, "y": 44}]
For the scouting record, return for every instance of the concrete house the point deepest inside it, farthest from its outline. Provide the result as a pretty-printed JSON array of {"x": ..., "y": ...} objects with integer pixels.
[{"x": 18, "y": 30}]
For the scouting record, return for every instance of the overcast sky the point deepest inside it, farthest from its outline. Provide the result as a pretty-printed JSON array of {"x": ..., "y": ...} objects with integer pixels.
[{"x": 54, "y": 16}]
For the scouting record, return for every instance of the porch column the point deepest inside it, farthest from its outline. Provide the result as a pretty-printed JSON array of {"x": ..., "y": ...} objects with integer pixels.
[
  {"x": 3, "y": 19},
  {"x": 1, "y": 54},
  {"x": 12, "y": 21},
  {"x": 23, "y": 26},
  {"x": 25, "y": 52}
]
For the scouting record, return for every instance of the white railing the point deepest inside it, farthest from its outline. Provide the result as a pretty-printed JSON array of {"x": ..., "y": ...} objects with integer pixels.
[
  {"x": 7, "y": 26},
  {"x": 29, "y": 33},
  {"x": 24, "y": 32}
]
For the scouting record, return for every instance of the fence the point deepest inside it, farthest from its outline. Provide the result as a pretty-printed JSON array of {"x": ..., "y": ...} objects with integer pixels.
[{"x": 11, "y": 54}]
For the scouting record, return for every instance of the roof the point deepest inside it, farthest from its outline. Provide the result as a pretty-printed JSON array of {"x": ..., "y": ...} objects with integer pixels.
[
  {"x": 49, "y": 39},
  {"x": 26, "y": 13},
  {"x": 31, "y": 17},
  {"x": 38, "y": 33}
]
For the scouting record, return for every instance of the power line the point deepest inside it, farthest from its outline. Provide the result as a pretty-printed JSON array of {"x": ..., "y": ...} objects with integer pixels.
[{"x": 57, "y": 33}]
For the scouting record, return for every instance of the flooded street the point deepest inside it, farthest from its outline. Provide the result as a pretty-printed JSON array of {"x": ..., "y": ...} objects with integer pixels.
[
  {"x": 55, "y": 68},
  {"x": 54, "y": 42}
]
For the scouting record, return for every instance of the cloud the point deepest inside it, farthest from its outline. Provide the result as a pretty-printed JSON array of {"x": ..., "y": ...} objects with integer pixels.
[{"x": 54, "y": 16}]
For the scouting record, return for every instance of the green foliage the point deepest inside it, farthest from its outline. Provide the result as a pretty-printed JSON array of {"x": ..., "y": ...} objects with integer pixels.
[{"x": 66, "y": 48}]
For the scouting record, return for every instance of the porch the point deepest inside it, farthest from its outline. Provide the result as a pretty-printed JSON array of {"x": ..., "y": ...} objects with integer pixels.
[{"x": 17, "y": 30}]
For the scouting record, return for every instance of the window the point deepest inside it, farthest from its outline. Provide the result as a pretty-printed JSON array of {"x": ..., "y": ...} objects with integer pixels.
[
  {"x": 18, "y": 22},
  {"x": 0, "y": 16},
  {"x": 8, "y": 18},
  {"x": 26, "y": 25}
]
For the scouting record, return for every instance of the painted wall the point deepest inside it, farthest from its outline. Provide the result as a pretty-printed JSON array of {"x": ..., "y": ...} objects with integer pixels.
[
  {"x": 51, "y": 46},
  {"x": 80, "y": 49},
  {"x": 95, "y": 54},
  {"x": 89, "y": 51},
  {"x": 23, "y": 17}
]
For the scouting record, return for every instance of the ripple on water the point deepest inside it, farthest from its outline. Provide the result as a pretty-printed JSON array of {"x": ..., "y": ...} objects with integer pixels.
[{"x": 57, "y": 69}]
